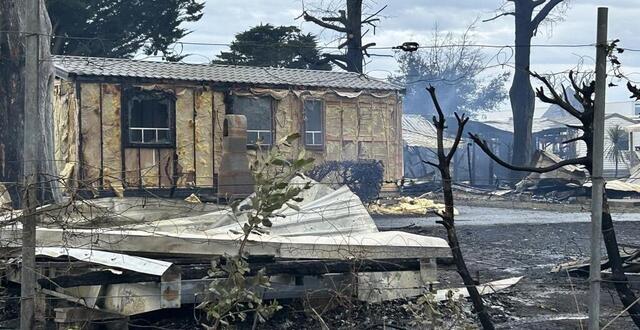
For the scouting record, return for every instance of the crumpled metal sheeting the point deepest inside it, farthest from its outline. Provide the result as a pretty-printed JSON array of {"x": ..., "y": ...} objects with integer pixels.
[
  {"x": 323, "y": 212},
  {"x": 111, "y": 259}
]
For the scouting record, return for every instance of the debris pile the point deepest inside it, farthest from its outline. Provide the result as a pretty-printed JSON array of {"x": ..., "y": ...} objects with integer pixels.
[{"x": 407, "y": 206}]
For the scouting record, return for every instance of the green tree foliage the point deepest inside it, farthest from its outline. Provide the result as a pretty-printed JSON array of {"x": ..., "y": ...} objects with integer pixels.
[
  {"x": 275, "y": 46},
  {"x": 456, "y": 72},
  {"x": 120, "y": 28},
  {"x": 619, "y": 142}
]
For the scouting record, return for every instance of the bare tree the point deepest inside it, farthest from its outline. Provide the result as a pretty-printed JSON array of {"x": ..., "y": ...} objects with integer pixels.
[
  {"x": 584, "y": 93},
  {"x": 350, "y": 23},
  {"x": 528, "y": 14},
  {"x": 447, "y": 217}
]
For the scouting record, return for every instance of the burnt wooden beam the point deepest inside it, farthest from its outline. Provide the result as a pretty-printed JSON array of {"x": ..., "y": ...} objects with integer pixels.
[{"x": 200, "y": 271}]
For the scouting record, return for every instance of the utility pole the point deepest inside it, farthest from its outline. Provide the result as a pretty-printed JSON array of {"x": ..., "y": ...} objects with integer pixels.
[
  {"x": 31, "y": 132},
  {"x": 597, "y": 187}
]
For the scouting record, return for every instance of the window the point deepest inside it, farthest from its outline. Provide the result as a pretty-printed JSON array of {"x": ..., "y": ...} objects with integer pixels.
[
  {"x": 149, "y": 118},
  {"x": 259, "y": 113},
  {"x": 637, "y": 109},
  {"x": 313, "y": 126}
]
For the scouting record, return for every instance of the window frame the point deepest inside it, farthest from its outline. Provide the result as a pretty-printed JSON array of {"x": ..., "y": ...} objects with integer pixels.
[
  {"x": 322, "y": 125},
  {"x": 272, "y": 108},
  {"x": 129, "y": 95}
]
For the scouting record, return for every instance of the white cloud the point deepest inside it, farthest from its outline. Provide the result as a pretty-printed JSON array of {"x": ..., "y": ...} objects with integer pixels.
[{"x": 416, "y": 19}]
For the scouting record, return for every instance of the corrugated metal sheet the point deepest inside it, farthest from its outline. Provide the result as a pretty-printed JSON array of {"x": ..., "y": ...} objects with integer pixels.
[
  {"x": 112, "y": 67},
  {"x": 417, "y": 131},
  {"x": 111, "y": 259}
]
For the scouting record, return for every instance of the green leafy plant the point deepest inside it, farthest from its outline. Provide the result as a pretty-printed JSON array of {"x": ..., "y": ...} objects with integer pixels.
[
  {"x": 241, "y": 292},
  {"x": 618, "y": 143}
]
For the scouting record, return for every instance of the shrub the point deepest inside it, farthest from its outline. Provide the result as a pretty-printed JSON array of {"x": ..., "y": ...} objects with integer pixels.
[{"x": 363, "y": 177}]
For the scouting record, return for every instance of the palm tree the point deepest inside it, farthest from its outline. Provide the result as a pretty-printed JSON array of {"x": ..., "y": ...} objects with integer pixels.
[{"x": 618, "y": 143}]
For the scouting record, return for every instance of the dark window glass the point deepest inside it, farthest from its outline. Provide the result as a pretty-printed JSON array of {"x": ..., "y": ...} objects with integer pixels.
[
  {"x": 258, "y": 111},
  {"x": 150, "y": 118},
  {"x": 314, "y": 134}
]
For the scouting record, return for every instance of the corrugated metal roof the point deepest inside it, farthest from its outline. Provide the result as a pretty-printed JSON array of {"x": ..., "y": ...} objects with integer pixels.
[
  {"x": 417, "y": 131},
  {"x": 112, "y": 67}
]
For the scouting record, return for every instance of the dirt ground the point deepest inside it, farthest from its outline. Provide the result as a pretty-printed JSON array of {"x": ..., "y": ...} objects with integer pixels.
[{"x": 541, "y": 300}]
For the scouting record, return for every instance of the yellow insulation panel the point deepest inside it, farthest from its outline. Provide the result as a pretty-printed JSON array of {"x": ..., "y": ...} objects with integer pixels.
[
  {"x": 184, "y": 137},
  {"x": 350, "y": 120},
  {"x": 219, "y": 110},
  {"x": 65, "y": 112},
  {"x": 204, "y": 138},
  {"x": 90, "y": 134},
  {"x": 111, "y": 131},
  {"x": 149, "y": 167}
]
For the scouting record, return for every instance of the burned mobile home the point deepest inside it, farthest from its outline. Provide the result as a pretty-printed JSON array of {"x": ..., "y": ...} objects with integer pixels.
[{"x": 125, "y": 126}]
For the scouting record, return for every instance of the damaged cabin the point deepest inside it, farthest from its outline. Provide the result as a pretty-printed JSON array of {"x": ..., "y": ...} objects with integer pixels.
[{"x": 127, "y": 126}]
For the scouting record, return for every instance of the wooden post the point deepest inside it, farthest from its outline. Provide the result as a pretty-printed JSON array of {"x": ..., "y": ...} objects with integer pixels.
[
  {"x": 31, "y": 131},
  {"x": 597, "y": 189}
]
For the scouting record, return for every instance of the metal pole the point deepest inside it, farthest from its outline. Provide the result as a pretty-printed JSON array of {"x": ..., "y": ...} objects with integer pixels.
[{"x": 597, "y": 189}]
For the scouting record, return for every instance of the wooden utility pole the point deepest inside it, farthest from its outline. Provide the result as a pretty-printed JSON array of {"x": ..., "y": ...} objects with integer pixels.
[
  {"x": 31, "y": 132},
  {"x": 597, "y": 188}
]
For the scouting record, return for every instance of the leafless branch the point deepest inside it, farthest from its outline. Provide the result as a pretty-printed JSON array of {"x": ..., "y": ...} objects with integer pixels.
[
  {"x": 634, "y": 90},
  {"x": 322, "y": 23},
  {"x": 544, "y": 12},
  {"x": 371, "y": 18},
  {"x": 483, "y": 145},
  {"x": 498, "y": 16}
]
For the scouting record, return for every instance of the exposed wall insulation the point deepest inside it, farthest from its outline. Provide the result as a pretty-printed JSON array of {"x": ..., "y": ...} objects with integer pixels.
[
  {"x": 132, "y": 167},
  {"x": 204, "y": 138},
  {"x": 184, "y": 137},
  {"x": 219, "y": 109},
  {"x": 350, "y": 120},
  {"x": 65, "y": 113},
  {"x": 90, "y": 134},
  {"x": 150, "y": 167},
  {"x": 357, "y": 126},
  {"x": 111, "y": 131}
]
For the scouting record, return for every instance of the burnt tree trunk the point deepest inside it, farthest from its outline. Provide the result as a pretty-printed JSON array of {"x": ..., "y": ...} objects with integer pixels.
[
  {"x": 447, "y": 217},
  {"x": 354, "y": 36},
  {"x": 11, "y": 99},
  {"x": 521, "y": 92}
]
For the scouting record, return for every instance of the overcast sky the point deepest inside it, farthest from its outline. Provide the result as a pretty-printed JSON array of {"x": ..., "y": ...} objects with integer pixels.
[{"x": 415, "y": 20}]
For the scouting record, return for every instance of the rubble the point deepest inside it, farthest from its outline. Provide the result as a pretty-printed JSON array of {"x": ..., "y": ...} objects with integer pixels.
[{"x": 407, "y": 206}]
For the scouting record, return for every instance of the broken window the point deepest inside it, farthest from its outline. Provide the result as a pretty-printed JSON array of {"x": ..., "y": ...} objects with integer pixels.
[
  {"x": 313, "y": 123},
  {"x": 149, "y": 118},
  {"x": 259, "y": 113}
]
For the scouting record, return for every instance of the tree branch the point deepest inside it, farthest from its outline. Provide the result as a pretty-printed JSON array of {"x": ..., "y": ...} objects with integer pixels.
[
  {"x": 342, "y": 19},
  {"x": 498, "y": 16},
  {"x": 555, "y": 97},
  {"x": 634, "y": 90},
  {"x": 322, "y": 23},
  {"x": 462, "y": 121},
  {"x": 483, "y": 145},
  {"x": 339, "y": 60},
  {"x": 543, "y": 13},
  {"x": 371, "y": 18}
]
